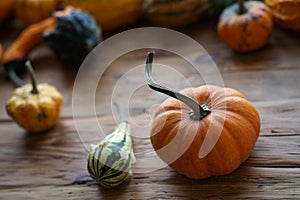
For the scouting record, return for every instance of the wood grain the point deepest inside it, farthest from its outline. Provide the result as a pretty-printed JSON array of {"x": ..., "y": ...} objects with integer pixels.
[{"x": 44, "y": 166}]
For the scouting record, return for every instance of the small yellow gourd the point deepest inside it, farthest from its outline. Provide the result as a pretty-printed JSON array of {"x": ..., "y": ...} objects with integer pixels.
[{"x": 34, "y": 107}]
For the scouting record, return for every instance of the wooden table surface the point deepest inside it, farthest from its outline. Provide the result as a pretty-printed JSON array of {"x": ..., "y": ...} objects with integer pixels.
[{"x": 44, "y": 166}]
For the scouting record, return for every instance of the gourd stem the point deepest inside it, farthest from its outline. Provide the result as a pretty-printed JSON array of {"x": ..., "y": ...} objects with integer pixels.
[
  {"x": 198, "y": 112},
  {"x": 32, "y": 77},
  {"x": 120, "y": 112},
  {"x": 241, "y": 7}
]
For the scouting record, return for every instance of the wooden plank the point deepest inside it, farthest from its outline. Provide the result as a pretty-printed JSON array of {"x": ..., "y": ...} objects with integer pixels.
[
  {"x": 258, "y": 184},
  {"x": 44, "y": 166},
  {"x": 275, "y": 69}
]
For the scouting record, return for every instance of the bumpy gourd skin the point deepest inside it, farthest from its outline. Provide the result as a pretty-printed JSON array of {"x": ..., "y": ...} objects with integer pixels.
[
  {"x": 75, "y": 35},
  {"x": 35, "y": 112}
]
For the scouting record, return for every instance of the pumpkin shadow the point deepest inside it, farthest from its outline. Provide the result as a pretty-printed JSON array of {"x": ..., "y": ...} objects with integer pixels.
[
  {"x": 248, "y": 56},
  {"x": 232, "y": 186}
]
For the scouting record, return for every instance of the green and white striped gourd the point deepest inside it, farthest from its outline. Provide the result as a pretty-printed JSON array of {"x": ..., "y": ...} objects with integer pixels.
[
  {"x": 109, "y": 162},
  {"x": 174, "y": 13}
]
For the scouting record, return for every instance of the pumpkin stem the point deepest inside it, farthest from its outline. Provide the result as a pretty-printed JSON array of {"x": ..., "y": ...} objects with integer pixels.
[
  {"x": 32, "y": 77},
  {"x": 241, "y": 6},
  {"x": 198, "y": 112},
  {"x": 120, "y": 112}
]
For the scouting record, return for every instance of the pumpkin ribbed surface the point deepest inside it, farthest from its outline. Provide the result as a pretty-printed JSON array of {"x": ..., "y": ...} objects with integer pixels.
[
  {"x": 178, "y": 139},
  {"x": 174, "y": 13},
  {"x": 247, "y": 31}
]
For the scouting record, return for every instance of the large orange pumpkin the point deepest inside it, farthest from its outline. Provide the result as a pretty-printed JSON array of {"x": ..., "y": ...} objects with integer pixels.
[
  {"x": 246, "y": 26},
  {"x": 204, "y": 131}
]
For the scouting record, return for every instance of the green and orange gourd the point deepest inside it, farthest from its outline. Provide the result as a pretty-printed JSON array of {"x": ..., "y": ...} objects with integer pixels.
[
  {"x": 109, "y": 162},
  {"x": 70, "y": 33}
]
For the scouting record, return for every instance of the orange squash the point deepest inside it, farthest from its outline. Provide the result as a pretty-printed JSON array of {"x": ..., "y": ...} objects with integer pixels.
[
  {"x": 246, "y": 26},
  {"x": 28, "y": 39},
  {"x": 111, "y": 14},
  {"x": 203, "y": 131},
  {"x": 286, "y": 13},
  {"x": 33, "y": 11},
  {"x": 6, "y": 8}
]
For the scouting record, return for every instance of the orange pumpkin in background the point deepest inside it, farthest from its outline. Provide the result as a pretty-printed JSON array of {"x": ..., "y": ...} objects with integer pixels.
[
  {"x": 286, "y": 13},
  {"x": 246, "y": 26},
  {"x": 111, "y": 14},
  {"x": 6, "y": 8},
  {"x": 33, "y": 11},
  {"x": 203, "y": 131}
]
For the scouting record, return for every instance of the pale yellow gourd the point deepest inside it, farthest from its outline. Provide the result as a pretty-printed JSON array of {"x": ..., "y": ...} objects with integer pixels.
[{"x": 35, "y": 108}]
